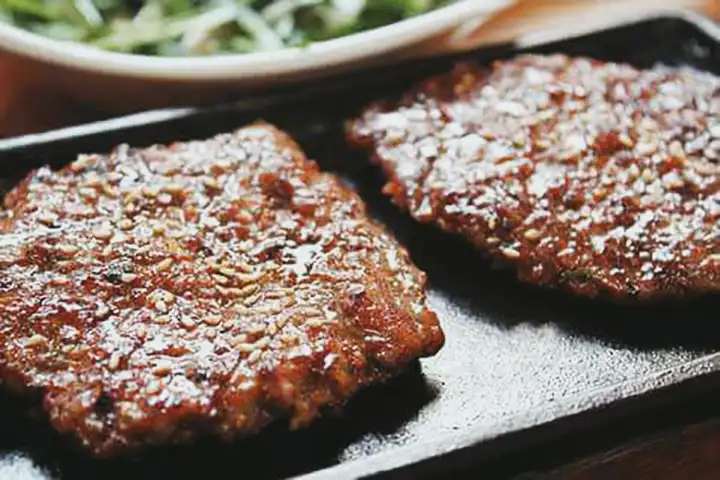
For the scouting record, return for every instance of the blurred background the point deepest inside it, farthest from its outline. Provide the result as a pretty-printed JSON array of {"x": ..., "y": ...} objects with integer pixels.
[{"x": 31, "y": 100}]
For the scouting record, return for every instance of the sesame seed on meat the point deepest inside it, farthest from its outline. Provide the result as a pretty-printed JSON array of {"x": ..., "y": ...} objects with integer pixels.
[
  {"x": 601, "y": 178},
  {"x": 204, "y": 288}
]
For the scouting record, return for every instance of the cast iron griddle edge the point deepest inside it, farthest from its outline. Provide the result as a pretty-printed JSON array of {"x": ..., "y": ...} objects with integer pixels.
[
  {"x": 508, "y": 433},
  {"x": 706, "y": 368}
]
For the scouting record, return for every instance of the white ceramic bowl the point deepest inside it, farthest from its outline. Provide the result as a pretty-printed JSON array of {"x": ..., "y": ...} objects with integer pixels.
[{"x": 124, "y": 82}]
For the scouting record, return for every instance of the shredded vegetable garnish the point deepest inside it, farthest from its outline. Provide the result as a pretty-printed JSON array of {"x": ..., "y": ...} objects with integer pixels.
[{"x": 205, "y": 27}]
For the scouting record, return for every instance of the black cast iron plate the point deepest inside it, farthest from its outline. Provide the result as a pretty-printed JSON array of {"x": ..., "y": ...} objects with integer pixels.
[{"x": 521, "y": 365}]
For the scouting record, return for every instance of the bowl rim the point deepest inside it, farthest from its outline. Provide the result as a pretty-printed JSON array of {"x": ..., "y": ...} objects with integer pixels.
[{"x": 249, "y": 65}]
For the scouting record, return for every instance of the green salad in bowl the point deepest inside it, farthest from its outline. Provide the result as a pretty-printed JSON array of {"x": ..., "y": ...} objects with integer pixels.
[
  {"x": 205, "y": 27},
  {"x": 128, "y": 55}
]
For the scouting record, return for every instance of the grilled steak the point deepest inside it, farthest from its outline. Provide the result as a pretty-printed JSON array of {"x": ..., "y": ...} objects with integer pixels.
[
  {"x": 156, "y": 294},
  {"x": 597, "y": 177}
]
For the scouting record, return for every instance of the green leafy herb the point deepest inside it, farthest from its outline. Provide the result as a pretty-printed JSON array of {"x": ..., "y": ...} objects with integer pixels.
[{"x": 205, "y": 27}]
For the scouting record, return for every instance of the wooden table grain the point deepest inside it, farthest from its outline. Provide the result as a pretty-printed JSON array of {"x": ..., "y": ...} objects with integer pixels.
[
  {"x": 29, "y": 105},
  {"x": 687, "y": 452},
  {"x": 690, "y": 449}
]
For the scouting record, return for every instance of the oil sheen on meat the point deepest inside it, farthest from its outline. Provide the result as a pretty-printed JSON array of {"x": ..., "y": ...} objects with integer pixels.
[
  {"x": 153, "y": 295},
  {"x": 597, "y": 177}
]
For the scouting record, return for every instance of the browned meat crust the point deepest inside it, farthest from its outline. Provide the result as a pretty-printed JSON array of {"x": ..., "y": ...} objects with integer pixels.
[
  {"x": 203, "y": 288},
  {"x": 594, "y": 176}
]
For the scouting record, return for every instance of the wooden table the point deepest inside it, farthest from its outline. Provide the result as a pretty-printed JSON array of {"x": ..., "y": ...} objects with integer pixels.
[
  {"x": 682, "y": 443},
  {"x": 687, "y": 449}
]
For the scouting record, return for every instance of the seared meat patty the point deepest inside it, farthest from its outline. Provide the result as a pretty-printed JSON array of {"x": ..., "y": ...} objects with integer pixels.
[
  {"x": 597, "y": 177},
  {"x": 207, "y": 287}
]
